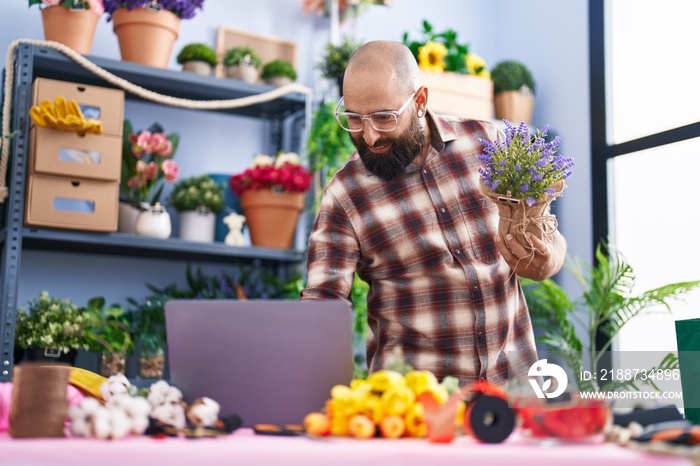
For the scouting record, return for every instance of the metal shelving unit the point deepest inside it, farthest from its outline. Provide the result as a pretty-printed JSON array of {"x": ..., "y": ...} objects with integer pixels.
[{"x": 287, "y": 113}]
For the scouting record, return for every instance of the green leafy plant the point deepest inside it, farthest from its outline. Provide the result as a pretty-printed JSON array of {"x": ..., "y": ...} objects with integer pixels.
[
  {"x": 107, "y": 328},
  {"x": 335, "y": 58},
  {"x": 51, "y": 322},
  {"x": 197, "y": 51},
  {"x": 197, "y": 192},
  {"x": 278, "y": 68},
  {"x": 512, "y": 75},
  {"x": 443, "y": 52},
  {"x": 242, "y": 55},
  {"x": 95, "y": 6},
  {"x": 607, "y": 305}
]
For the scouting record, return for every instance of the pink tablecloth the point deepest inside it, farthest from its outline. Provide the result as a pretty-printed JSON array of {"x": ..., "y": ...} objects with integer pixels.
[
  {"x": 246, "y": 448},
  {"x": 73, "y": 395}
]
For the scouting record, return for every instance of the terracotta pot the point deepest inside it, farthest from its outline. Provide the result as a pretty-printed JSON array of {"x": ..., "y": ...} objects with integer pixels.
[
  {"x": 146, "y": 36},
  {"x": 74, "y": 28},
  {"x": 272, "y": 216}
]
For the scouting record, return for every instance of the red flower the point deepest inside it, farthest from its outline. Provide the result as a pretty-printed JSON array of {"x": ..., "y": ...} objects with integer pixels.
[{"x": 292, "y": 178}]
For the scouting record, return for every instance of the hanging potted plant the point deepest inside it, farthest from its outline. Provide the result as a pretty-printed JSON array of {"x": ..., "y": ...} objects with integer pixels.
[
  {"x": 147, "y": 29},
  {"x": 197, "y": 58},
  {"x": 514, "y": 92},
  {"x": 51, "y": 329},
  {"x": 198, "y": 199},
  {"x": 272, "y": 198},
  {"x": 278, "y": 72},
  {"x": 146, "y": 165},
  {"x": 70, "y": 22},
  {"x": 523, "y": 175},
  {"x": 242, "y": 63},
  {"x": 335, "y": 60}
]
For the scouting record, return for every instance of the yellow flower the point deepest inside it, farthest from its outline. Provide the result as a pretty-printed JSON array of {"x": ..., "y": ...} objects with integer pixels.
[
  {"x": 397, "y": 400},
  {"x": 347, "y": 401},
  {"x": 430, "y": 56},
  {"x": 338, "y": 419},
  {"x": 361, "y": 384},
  {"x": 373, "y": 409},
  {"x": 415, "y": 422},
  {"x": 419, "y": 381},
  {"x": 382, "y": 380},
  {"x": 459, "y": 417},
  {"x": 438, "y": 391},
  {"x": 476, "y": 66}
]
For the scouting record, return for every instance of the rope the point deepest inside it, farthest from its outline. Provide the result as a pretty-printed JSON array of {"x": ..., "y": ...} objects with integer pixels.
[{"x": 126, "y": 86}]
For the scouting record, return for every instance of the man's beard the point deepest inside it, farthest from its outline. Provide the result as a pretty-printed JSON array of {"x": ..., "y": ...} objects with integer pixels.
[{"x": 392, "y": 163}]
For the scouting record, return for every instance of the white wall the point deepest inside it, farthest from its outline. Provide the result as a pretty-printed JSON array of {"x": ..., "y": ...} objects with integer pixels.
[{"x": 550, "y": 36}]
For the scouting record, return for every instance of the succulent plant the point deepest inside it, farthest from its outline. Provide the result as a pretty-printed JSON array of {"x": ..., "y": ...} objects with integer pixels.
[
  {"x": 278, "y": 68},
  {"x": 511, "y": 75},
  {"x": 197, "y": 51},
  {"x": 236, "y": 55}
]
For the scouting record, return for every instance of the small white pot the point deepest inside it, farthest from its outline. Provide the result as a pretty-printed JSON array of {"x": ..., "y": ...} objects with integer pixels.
[
  {"x": 278, "y": 80},
  {"x": 154, "y": 222},
  {"x": 198, "y": 225},
  {"x": 197, "y": 67},
  {"x": 245, "y": 73},
  {"x": 128, "y": 214}
]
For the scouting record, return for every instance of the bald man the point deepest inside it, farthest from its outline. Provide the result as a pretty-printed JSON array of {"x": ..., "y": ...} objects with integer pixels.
[{"x": 405, "y": 212}]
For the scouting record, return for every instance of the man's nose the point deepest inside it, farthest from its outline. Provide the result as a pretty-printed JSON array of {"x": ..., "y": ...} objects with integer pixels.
[{"x": 369, "y": 134}]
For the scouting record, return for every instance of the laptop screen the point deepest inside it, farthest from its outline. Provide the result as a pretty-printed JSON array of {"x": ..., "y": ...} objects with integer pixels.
[{"x": 268, "y": 361}]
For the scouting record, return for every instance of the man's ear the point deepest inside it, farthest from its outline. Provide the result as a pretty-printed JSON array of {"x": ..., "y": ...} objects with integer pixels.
[{"x": 422, "y": 97}]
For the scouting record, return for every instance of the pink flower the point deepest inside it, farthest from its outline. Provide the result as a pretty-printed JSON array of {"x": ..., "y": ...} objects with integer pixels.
[
  {"x": 96, "y": 6},
  {"x": 161, "y": 145},
  {"x": 136, "y": 182},
  {"x": 170, "y": 170},
  {"x": 51, "y": 2},
  {"x": 143, "y": 143},
  {"x": 151, "y": 171},
  {"x": 140, "y": 166}
]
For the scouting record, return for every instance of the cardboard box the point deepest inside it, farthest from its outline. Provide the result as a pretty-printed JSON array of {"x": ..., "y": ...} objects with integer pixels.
[
  {"x": 267, "y": 47},
  {"x": 53, "y": 152},
  {"x": 101, "y": 103},
  {"x": 459, "y": 94},
  {"x": 74, "y": 204}
]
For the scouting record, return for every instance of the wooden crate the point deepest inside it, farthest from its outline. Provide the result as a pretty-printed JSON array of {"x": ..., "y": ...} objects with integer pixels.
[
  {"x": 459, "y": 94},
  {"x": 267, "y": 47}
]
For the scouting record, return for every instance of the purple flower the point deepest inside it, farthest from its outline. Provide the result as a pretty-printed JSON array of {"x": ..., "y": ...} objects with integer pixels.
[
  {"x": 531, "y": 201},
  {"x": 185, "y": 9},
  {"x": 524, "y": 188}
]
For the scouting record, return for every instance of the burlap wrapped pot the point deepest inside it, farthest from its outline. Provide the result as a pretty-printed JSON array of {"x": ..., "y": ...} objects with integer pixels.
[{"x": 517, "y": 218}]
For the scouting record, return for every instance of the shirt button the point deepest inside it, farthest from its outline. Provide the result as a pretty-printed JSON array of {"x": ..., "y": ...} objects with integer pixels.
[
  {"x": 425, "y": 172},
  {"x": 442, "y": 210},
  {"x": 458, "y": 252},
  {"x": 475, "y": 288}
]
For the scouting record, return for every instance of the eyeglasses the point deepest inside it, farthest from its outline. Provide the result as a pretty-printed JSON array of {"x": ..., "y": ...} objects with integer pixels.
[{"x": 380, "y": 121}]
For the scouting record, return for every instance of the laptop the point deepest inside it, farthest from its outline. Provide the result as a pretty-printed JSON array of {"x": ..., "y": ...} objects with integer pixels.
[{"x": 268, "y": 361}]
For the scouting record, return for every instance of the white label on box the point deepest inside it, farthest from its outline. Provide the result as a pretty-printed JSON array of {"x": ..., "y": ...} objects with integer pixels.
[
  {"x": 88, "y": 157},
  {"x": 80, "y": 206},
  {"x": 90, "y": 111}
]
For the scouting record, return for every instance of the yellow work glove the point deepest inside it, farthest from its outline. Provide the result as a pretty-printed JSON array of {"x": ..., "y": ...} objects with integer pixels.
[{"x": 65, "y": 116}]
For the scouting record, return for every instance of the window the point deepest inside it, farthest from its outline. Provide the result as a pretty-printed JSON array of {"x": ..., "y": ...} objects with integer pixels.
[{"x": 645, "y": 119}]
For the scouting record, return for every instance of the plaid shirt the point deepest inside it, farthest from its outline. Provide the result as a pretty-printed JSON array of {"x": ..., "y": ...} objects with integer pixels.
[{"x": 424, "y": 243}]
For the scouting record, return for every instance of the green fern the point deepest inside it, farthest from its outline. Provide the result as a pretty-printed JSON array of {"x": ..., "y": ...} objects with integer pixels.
[{"x": 607, "y": 304}]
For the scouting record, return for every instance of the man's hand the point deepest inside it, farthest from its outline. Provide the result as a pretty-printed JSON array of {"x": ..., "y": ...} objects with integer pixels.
[{"x": 545, "y": 261}]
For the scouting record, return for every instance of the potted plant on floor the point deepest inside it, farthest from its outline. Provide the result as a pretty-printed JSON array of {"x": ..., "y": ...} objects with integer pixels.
[
  {"x": 198, "y": 199},
  {"x": 278, "y": 72},
  {"x": 51, "y": 329},
  {"x": 606, "y": 306},
  {"x": 242, "y": 63},
  {"x": 109, "y": 335},
  {"x": 70, "y": 22},
  {"x": 197, "y": 58},
  {"x": 272, "y": 193},
  {"x": 514, "y": 91}
]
